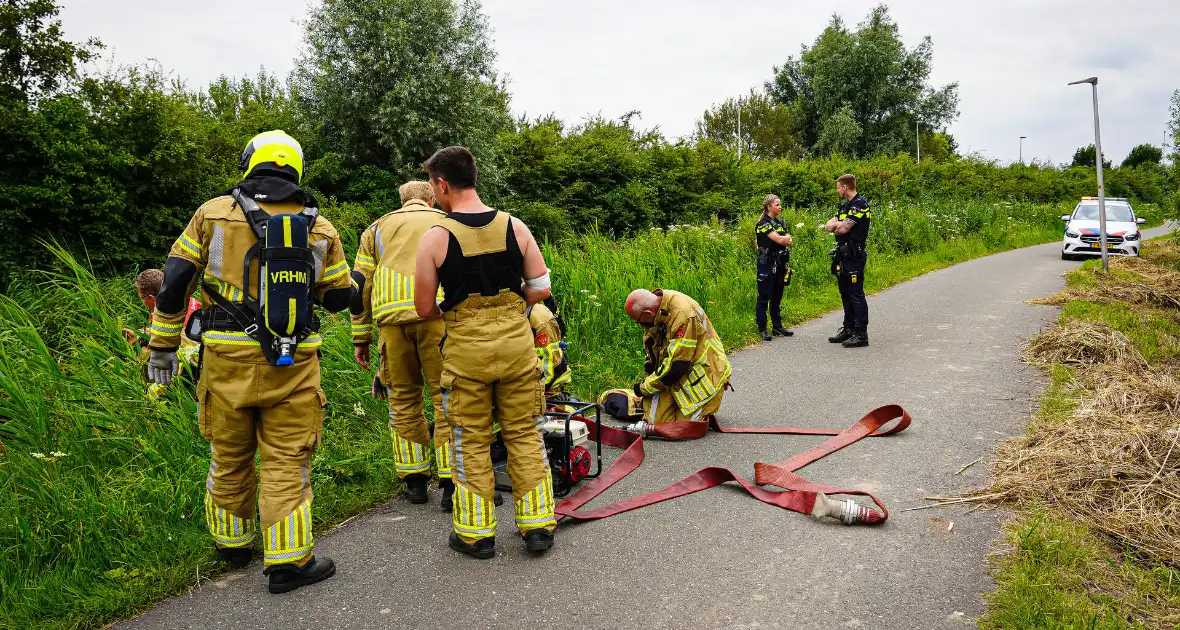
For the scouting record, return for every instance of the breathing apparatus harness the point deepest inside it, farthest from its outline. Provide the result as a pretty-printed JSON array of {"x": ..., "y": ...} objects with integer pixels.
[{"x": 282, "y": 315}]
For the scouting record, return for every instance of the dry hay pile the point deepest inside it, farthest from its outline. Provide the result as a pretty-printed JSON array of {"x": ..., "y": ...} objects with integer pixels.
[
  {"x": 1082, "y": 344},
  {"x": 1114, "y": 462},
  {"x": 1157, "y": 283}
]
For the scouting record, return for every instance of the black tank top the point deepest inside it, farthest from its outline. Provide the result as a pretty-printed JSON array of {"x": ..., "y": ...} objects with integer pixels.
[{"x": 485, "y": 274}]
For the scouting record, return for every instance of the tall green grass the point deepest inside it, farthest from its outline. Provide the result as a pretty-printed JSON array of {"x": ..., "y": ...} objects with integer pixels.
[{"x": 101, "y": 487}]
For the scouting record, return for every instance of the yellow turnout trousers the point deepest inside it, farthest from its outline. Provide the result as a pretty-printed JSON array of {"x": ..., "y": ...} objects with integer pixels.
[
  {"x": 661, "y": 407},
  {"x": 244, "y": 406},
  {"x": 489, "y": 361},
  {"x": 409, "y": 352}
]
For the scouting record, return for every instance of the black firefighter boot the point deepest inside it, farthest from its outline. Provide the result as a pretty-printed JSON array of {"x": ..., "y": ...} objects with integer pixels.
[
  {"x": 416, "y": 488},
  {"x": 236, "y": 557},
  {"x": 841, "y": 335},
  {"x": 538, "y": 541},
  {"x": 765, "y": 335},
  {"x": 288, "y": 577},
  {"x": 780, "y": 331},
  {"x": 859, "y": 339},
  {"x": 448, "y": 493},
  {"x": 483, "y": 549}
]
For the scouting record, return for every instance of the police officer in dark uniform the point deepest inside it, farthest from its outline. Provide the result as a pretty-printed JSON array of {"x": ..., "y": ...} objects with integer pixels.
[
  {"x": 851, "y": 227},
  {"x": 773, "y": 256}
]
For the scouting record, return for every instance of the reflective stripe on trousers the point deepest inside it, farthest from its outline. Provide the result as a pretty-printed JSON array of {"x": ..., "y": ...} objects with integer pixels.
[
  {"x": 473, "y": 515},
  {"x": 535, "y": 509}
]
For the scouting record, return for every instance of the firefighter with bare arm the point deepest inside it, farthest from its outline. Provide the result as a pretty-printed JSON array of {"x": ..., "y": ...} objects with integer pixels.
[
  {"x": 264, "y": 259},
  {"x": 490, "y": 269}
]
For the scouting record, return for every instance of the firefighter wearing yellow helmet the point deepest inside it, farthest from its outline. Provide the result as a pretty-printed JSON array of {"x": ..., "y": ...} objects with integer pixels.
[
  {"x": 490, "y": 269},
  {"x": 263, "y": 258},
  {"x": 408, "y": 344}
]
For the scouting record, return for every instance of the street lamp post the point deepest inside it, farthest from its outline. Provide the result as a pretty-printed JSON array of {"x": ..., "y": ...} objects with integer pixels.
[
  {"x": 1093, "y": 81},
  {"x": 918, "y": 140},
  {"x": 1022, "y": 149},
  {"x": 739, "y": 134}
]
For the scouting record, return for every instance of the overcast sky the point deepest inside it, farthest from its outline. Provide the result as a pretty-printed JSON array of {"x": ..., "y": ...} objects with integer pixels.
[{"x": 672, "y": 59}]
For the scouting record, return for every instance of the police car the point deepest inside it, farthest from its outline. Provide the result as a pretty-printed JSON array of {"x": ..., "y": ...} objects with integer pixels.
[{"x": 1082, "y": 236}]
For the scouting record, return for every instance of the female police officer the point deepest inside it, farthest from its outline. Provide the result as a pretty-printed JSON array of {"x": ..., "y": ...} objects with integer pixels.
[{"x": 773, "y": 255}]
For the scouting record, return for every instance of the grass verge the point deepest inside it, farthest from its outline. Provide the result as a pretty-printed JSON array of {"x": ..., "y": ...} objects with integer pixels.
[{"x": 1095, "y": 482}]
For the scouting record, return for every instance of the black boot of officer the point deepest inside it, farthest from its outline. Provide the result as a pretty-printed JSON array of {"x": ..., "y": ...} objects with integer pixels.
[{"x": 859, "y": 338}]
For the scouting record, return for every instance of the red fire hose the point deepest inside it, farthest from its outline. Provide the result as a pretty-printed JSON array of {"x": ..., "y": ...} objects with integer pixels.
[{"x": 799, "y": 494}]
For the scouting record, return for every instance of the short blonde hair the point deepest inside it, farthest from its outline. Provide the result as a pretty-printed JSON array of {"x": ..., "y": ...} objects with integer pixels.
[
  {"x": 416, "y": 190},
  {"x": 769, "y": 200}
]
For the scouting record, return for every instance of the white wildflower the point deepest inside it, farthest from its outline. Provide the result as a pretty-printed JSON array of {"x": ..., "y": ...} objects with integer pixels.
[
  {"x": 798, "y": 225},
  {"x": 585, "y": 290},
  {"x": 358, "y": 410},
  {"x": 58, "y": 454},
  {"x": 38, "y": 455}
]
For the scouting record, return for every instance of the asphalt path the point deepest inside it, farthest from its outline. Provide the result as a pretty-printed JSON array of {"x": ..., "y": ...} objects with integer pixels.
[{"x": 946, "y": 346}]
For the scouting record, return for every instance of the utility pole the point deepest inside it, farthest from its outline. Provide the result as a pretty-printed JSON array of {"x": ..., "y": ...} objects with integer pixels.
[
  {"x": 1022, "y": 149},
  {"x": 1093, "y": 81}
]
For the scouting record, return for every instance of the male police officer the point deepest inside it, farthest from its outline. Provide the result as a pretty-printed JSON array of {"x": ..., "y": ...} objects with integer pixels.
[
  {"x": 851, "y": 227},
  {"x": 490, "y": 269},
  {"x": 686, "y": 363},
  {"x": 384, "y": 274},
  {"x": 254, "y": 395},
  {"x": 773, "y": 256}
]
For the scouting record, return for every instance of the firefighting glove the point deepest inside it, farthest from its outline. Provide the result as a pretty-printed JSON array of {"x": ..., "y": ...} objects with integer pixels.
[
  {"x": 162, "y": 366},
  {"x": 638, "y": 389},
  {"x": 379, "y": 392}
]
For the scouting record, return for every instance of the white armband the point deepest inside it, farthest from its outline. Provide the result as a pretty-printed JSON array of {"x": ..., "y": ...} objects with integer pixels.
[{"x": 539, "y": 283}]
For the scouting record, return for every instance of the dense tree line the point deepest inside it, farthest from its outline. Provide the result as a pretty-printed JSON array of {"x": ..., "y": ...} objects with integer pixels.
[{"x": 113, "y": 164}]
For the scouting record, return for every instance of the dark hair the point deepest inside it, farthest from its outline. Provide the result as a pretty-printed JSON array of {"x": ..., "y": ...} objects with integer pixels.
[
  {"x": 848, "y": 179},
  {"x": 454, "y": 164}
]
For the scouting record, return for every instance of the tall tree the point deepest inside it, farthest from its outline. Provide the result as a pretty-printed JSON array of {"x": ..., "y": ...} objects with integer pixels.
[
  {"x": 867, "y": 79},
  {"x": 768, "y": 130},
  {"x": 387, "y": 82},
  {"x": 35, "y": 59},
  {"x": 1086, "y": 156},
  {"x": 1144, "y": 154}
]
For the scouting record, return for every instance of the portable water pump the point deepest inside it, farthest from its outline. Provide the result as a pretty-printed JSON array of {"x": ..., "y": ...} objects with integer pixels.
[{"x": 564, "y": 431}]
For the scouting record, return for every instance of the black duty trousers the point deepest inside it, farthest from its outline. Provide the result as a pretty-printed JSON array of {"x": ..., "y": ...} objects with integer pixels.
[
  {"x": 851, "y": 279},
  {"x": 771, "y": 283}
]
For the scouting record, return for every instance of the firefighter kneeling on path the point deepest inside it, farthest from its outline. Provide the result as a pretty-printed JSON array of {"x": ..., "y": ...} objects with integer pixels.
[
  {"x": 687, "y": 370},
  {"x": 490, "y": 270},
  {"x": 260, "y": 384},
  {"x": 851, "y": 227},
  {"x": 384, "y": 276}
]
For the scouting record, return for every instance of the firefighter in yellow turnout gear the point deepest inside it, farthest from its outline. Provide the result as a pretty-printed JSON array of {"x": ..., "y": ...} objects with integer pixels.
[
  {"x": 249, "y": 398},
  {"x": 686, "y": 366},
  {"x": 549, "y": 342},
  {"x": 490, "y": 270},
  {"x": 384, "y": 276}
]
